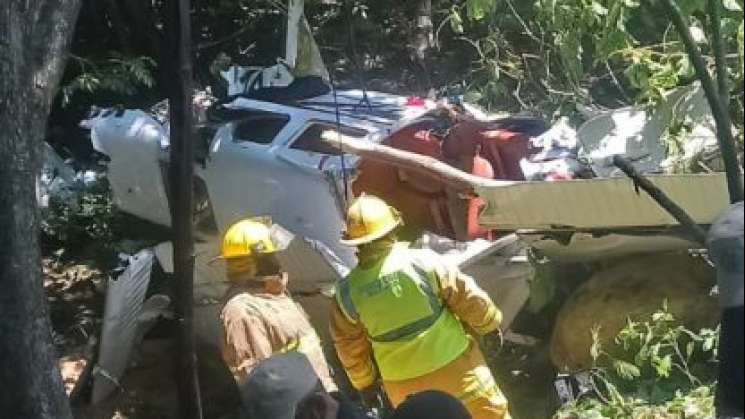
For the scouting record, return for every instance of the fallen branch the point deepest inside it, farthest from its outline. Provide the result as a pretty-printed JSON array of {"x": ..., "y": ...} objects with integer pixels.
[
  {"x": 425, "y": 165},
  {"x": 662, "y": 199},
  {"x": 721, "y": 113}
]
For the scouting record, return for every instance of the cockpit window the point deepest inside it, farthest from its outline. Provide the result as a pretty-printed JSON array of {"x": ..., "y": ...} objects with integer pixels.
[
  {"x": 309, "y": 139},
  {"x": 261, "y": 128}
]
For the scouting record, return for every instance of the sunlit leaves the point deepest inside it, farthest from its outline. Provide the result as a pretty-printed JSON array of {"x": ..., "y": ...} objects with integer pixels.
[
  {"x": 119, "y": 75},
  {"x": 478, "y": 9}
]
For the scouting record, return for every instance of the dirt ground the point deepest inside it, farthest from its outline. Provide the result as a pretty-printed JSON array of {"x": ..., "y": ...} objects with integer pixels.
[{"x": 75, "y": 291}]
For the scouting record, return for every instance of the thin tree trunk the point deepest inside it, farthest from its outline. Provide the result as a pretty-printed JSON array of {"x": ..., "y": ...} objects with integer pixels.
[
  {"x": 182, "y": 198},
  {"x": 423, "y": 41},
  {"x": 34, "y": 38},
  {"x": 424, "y": 28}
]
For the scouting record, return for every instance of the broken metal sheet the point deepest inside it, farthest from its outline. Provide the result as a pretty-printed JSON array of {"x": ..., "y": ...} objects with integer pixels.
[
  {"x": 495, "y": 266},
  {"x": 281, "y": 183},
  {"x": 134, "y": 142},
  {"x": 504, "y": 275},
  {"x": 640, "y": 135},
  {"x": 124, "y": 301},
  {"x": 600, "y": 203},
  {"x": 585, "y": 247}
]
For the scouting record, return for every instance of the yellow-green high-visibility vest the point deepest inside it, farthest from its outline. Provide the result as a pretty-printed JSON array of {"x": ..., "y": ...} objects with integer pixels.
[{"x": 411, "y": 330}]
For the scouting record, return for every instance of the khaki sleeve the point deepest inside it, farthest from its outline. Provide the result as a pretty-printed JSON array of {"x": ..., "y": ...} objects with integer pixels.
[
  {"x": 463, "y": 296},
  {"x": 244, "y": 342},
  {"x": 353, "y": 348}
]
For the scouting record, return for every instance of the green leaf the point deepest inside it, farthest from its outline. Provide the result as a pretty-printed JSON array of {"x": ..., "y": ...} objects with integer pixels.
[
  {"x": 478, "y": 9},
  {"x": 456, "y": 22},
  {"x": 626, "y": 370},
  {"x": 663, "y": 366},
  {"x": 690, "y": 349},
  {"x": 686, "y": 69},
  {"x": 599, "y": 9}
]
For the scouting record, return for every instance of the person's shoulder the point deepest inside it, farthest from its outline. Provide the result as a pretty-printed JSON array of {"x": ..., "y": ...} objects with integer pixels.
[{"x": 238, "y": 306}]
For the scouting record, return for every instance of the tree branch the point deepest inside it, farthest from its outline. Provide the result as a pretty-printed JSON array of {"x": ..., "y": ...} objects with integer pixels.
[
  {"x": 721, "y": 115},
  {"x": 662, "y": 199},
  {"x": 425, "y": 165}
]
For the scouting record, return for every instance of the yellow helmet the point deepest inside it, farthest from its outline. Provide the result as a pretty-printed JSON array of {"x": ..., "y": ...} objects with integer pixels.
[
  {"x": 369, "y": 218},
  {"x": 247, "y": 238}
]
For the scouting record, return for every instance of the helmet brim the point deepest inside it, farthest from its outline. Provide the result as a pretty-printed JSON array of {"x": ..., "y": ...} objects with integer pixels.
[
  {"x": 371, "y": 237},
  {"x": 220, "y": 257}
]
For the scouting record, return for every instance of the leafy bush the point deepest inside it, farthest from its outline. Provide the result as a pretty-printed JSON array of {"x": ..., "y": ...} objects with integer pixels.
[
  {"x": 608, "y": 52},
  {"x": 88, "y": 216},
  {"x": 116, "y": 76},
  {"x": 662, "y": 370}
]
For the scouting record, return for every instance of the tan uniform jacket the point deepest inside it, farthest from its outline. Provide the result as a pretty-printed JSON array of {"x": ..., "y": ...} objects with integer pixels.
[{"x": 258, "y": 322}]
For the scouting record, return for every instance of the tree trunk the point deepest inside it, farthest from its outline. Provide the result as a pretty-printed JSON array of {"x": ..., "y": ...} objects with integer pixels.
[
  {"x": 34, "y": 38},
  {"x": 423, "y": 41},
  {"x": 424, "y": 28},
  {"x": 182, "y": 199}
]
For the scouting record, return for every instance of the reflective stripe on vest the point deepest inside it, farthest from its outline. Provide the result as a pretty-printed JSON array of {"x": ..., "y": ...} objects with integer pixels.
[{"x": 305, "y": 345}]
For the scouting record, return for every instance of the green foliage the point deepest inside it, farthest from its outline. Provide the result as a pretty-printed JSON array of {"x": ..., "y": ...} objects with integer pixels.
[
  {"x": 543, "y": 283},
  {"x": 117, "y": 75},
  {"x": 89, "y": 216},
  {"x": 662, "y": 370},
  {"x": 586, "y": 51},
  {"x": 509, "y": 55},
  {"x": 478, "y": 9}
]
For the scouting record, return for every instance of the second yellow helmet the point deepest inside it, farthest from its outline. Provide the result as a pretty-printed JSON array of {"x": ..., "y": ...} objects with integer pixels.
[
  {"x": 247, "y": 238},
  {"x": 369, "y": 218}
]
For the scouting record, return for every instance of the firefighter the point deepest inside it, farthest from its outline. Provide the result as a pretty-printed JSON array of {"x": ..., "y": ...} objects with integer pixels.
[
  {"x": 402, "y": 315},
  {"x": 260, "y": 318}
]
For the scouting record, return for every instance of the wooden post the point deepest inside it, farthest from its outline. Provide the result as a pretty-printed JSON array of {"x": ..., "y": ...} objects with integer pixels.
[
  {"x": 721, "y": 113},
  {"x": 662, "y": 199},
  {"x": 181, "y": 203}
]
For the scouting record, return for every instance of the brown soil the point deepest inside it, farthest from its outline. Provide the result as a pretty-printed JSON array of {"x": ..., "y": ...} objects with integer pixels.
[{"x": 75, "y": 294}]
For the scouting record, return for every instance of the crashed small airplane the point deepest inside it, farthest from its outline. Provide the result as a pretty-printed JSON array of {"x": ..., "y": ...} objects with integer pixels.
[{"x": 275, "y": 147}]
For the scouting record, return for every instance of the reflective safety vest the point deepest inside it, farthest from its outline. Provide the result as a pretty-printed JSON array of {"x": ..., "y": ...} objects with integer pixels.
[{"x": 411, "y": 330}]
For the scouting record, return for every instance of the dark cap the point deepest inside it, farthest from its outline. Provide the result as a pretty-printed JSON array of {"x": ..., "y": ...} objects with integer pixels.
[
  {"x": 277, "y": 385},
  {"x": 431, "y": 405}
]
